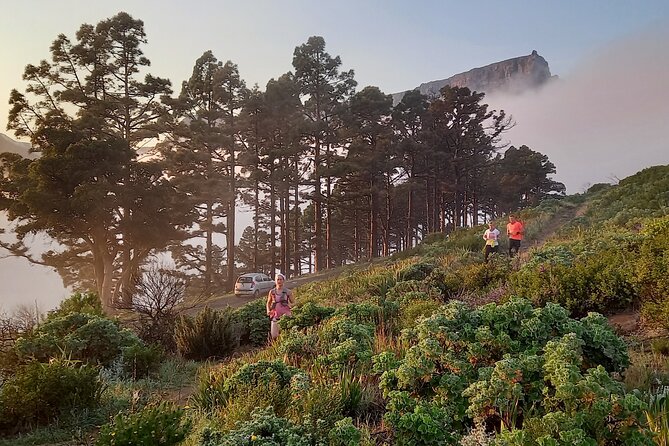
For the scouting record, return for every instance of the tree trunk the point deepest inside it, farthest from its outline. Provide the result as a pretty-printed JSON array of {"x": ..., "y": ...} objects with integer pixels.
[
  {"x": 272, "y": 225},
  {"x": 296, "y": 252},
  {"x": 208, "y": 254}
]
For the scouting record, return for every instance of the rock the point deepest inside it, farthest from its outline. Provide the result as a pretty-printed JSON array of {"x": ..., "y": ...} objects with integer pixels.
[{"x": 510, "y": 76}]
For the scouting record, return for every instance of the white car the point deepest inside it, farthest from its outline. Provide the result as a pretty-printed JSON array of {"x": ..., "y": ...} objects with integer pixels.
[{"x": 253, "y": 284}]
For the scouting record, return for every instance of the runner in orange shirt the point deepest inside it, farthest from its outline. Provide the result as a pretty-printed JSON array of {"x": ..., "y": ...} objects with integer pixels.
[{"x": 515, "y": 231}]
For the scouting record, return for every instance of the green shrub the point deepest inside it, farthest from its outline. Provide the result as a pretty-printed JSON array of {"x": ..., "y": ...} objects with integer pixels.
[
  {"x": 297, "y": 346},
  {"x": 161, "y": 425},
  {"x": 417, "y": 271},
  {"x": 418, "y": 423},
  {"x": 466, "y": 238},
  {"x": 426, "y": 285},
  {"x": 344, "y": 433},
  {"x": 263, "y": 429},
  {"x": 362, "y": 313},
  {"x": 308, "y": 315},
  {"x": 88, "y": 303},
  {"x": 41, "y": 392},
  {"x": 416, "y": 308},
  {"x": 316, "y": 408},
  {"x": 212, "y": 334},
  {"x": 507, "y": 366},
  {"x": 661, "y": 346},
  {"x": 139, "y": 360},
  {"x": 592, "y": 277},
  {"x": 652, "y": 271},
  {"x": 253, "y": 323},
  {"x": 78, "y": 336},
  {"x": 264, "y": 379}
]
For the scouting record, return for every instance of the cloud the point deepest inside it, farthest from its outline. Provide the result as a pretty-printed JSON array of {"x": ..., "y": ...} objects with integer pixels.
[{"x": 604, "y": 121}]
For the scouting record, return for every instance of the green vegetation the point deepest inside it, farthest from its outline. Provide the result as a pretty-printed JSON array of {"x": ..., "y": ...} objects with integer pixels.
[{"x": 432, "y": 348}]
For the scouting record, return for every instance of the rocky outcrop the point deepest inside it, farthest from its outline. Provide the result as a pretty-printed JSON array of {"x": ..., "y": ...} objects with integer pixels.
[{"x": 510, "y": 76}]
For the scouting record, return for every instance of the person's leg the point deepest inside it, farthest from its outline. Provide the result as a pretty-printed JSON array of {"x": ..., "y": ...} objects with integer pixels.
[
  {"x": 487, "y": 250},
  {"x": 274, "y": 329}
]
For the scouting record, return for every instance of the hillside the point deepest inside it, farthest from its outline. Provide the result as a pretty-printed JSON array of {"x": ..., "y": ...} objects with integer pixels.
[{"x": 428, "y": 347}]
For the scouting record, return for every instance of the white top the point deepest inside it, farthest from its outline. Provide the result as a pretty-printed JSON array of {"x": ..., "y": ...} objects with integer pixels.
[{"x": 491, "y": 237}]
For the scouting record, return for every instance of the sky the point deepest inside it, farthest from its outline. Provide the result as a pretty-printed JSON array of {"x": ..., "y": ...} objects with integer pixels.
[{"x": 600, "y": 122}]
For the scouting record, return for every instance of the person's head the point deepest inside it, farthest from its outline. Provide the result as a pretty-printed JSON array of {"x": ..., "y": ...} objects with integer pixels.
[
  {"x": 512, "y": 218},
  {"x": 491, "y": 225},
  {"x": 279, "y": 279}
]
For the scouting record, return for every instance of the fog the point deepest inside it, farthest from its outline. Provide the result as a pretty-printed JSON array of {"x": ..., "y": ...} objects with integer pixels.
[
  {"x": 603, "y": 121},
  {"x": 23, "y": 283}
]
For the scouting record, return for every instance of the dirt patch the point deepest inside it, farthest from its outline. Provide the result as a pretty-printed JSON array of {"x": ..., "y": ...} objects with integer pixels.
[
  {"x": 626, "y": 323},
  {"x": 179, "y": 396}
]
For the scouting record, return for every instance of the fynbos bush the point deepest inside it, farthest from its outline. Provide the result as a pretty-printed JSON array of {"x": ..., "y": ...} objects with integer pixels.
[
  {"x": 212, "y": 334},
  {"x": 40, "y": 392},
  {"x": 160, "y": 425}
]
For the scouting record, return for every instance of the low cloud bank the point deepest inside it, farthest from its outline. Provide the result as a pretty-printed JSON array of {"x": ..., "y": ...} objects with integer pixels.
[{"x": 604, "y": 121}]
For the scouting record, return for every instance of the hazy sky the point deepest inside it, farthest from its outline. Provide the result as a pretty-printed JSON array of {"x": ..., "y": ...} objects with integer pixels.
[
  {"x": 603, "y": 120},
  {"x": 395, "y": 45}
]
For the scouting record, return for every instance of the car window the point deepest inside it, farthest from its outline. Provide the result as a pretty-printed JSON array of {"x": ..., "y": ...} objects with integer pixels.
[{"x": 245, "y": 279}]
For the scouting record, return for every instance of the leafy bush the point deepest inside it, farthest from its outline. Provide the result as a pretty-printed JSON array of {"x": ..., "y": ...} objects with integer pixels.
[
  {"x": 418, "y": 423},
  {"x": 160, "y": 425},
  {"x": 139, "y": 360},
  {"x": 466, "y": 238},
  {"x": 508, "y": 366},
  {"x": 263, "y": 379},
  {"x": 88, "y": 303},
  {"x": 263, "y": 429},
  {"x": 416, "y": 271},
  {"x": 344, "y": 433},
  {"x": 78, "y": 336},
  {"x": 595, "y": 276},
  {"x": 297, "y": 346},
  {"x": 253, "y": 323},
  {"x": 40, "y": 392},
  {"x": 308, "y": 315},
  {"x": 652, "y": 271},
  {"x": 212, "y": 334},
  {"x": 416, "y": 308},
  {"x": 661, "y": 346}
]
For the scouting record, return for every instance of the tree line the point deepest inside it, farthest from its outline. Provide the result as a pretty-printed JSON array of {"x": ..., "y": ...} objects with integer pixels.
[{"x": 331, "y": 175}]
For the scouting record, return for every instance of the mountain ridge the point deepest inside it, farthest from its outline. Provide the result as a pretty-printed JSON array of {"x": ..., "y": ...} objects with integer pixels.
[{"x": 515, "y": 76}]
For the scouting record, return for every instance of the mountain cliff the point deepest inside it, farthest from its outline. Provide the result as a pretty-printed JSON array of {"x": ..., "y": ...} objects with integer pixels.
[{"x": 509, "y": 76}]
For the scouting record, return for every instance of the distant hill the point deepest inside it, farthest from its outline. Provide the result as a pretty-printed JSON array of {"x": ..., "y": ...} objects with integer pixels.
[
  {"x": 7, "y": 144},
  {"x": 509, "y": 76}
]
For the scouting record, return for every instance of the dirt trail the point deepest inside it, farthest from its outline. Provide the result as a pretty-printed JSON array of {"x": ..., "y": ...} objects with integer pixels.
[{"x": 552, "y": 226}]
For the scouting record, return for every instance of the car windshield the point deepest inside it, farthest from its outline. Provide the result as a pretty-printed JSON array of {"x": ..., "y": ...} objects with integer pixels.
[{"x": 245, "y": 280}]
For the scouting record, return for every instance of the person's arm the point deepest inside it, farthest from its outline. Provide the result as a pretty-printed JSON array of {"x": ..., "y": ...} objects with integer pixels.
[
  {"x": 485, "y": 235},
  {"x": 291, "y": 299},
  {"x": 268, "y": 304}
]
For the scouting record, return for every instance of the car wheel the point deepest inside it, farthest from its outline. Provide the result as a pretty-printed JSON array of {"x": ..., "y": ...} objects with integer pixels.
[{"x": 256, "y": 294}]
